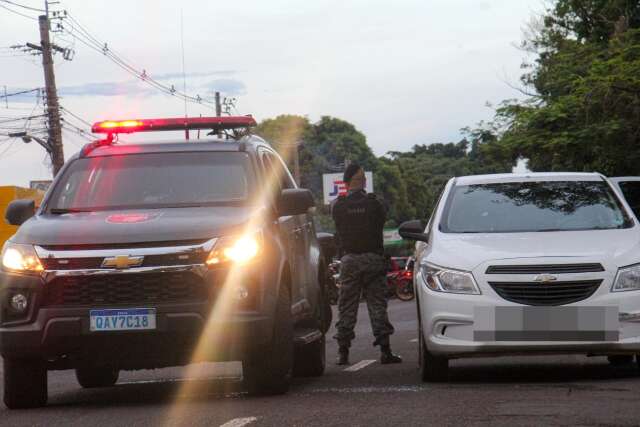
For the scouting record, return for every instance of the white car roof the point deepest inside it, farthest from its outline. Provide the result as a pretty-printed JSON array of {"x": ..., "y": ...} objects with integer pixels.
[{"x": 527, "y": 177}]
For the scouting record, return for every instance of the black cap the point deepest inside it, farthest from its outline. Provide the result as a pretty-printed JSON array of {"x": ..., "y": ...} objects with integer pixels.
[{"x": 351, "y": 170}]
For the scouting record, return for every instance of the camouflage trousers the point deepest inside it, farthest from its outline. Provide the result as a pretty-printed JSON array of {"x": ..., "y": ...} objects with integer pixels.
[{"x": 363, "y": 274}]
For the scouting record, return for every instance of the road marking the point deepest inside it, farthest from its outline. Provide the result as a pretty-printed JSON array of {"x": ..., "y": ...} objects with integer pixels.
[
  {"x": 361, "y": 364},
  {"x": 414, "y": 340},
  {"x": 392, "y": 389},
  {"x": 239, "y": 422},
  {"x": 179, "y": 380}
]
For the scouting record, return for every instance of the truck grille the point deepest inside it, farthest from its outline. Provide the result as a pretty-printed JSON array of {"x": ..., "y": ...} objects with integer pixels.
[
  {"x": 545, "y": 268},
  {"x": 119, "y": 289},
  {"x": 94, "y": 263},
  {"x": 536, "y": 293}
]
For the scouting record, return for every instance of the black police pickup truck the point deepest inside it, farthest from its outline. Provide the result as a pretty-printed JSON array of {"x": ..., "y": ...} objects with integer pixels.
[{"x": 162, "y": 254}]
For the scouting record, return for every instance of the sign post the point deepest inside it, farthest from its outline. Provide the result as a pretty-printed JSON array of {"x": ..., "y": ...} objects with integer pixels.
[{"x": 333, "y": 186}]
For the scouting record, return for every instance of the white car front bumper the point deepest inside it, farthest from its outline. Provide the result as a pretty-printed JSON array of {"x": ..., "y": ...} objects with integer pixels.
[{"x": 456, "y": 325}]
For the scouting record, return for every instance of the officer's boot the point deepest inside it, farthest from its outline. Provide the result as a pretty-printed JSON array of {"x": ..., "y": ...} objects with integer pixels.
[
  {"x": 387, "y": 356},
  {"x": 343, "y": 355}
]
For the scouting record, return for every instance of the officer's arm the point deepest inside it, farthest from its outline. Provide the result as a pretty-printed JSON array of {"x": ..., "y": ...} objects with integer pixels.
[
  {"x": 381, "y": 212},
  {"x": 337, "y": 220}
]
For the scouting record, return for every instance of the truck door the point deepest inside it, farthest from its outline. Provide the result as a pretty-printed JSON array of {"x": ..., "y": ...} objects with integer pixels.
[{"x": 290, "y": 227}]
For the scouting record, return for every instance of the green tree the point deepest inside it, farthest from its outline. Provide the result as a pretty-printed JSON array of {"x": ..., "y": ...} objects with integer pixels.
[{"x": 584, "y": 112}]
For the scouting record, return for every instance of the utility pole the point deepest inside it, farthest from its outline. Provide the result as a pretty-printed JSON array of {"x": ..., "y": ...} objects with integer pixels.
[
  {"x": 53, "y": 108},
  {"x": 218, "y": 105},
  {"x": 218, "y": 110}
]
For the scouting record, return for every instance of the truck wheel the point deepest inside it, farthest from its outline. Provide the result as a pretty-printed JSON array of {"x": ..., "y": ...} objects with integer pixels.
[
  {"x": 97, "y": 376},
  {"x": 324, "y": 303},
  {"x": 432, "y": 368},
  {"x": 25, "y": 383},
  {"x": 310, "y": 359},
  {"x": 268, "y": 371}
]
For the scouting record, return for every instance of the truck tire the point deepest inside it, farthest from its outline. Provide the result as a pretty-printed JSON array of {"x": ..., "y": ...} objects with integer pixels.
[
  {"x": 268, "y": 371},
  {"x": 25, "y": 383},
  {"x": 97, "y": 376},
  {"x": 432, "y": 368},
  {"x": 310, "y": 359}
]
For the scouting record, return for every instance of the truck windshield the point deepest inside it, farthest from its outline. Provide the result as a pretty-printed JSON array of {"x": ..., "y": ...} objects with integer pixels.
[
  {"x": 533, "y": 207},
  {"x": 153, "y": 180}
]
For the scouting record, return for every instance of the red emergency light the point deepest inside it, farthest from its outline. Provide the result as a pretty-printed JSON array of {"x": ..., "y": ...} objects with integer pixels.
[{"x": 149, "y": 125}]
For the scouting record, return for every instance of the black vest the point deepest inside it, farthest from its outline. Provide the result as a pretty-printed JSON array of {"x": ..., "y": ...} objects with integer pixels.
[{"x": 359, "y": 219}]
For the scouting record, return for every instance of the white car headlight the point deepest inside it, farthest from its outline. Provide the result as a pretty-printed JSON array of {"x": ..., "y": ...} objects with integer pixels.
[
  {"x": 445, "y": 280},
  {"x": 20, "y": 258},
  {"x": 628, "y": 279}
]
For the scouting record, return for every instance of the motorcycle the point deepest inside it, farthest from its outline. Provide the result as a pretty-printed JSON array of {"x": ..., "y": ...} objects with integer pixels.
[
  {"x": 400, "y": 282},
  {"x": 333, "y": 281}
]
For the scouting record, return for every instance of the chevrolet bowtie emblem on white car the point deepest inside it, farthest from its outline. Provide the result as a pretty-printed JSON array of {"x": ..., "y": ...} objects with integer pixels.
[
  {"x": 545, "y": 278},
  {"x": 122, "y": 262}
]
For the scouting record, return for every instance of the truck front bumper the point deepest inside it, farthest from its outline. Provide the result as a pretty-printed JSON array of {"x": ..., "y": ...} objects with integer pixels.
[{"x": 184, "y": 333}]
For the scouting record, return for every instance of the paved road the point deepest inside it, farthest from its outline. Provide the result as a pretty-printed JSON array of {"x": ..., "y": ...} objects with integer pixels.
[{"x": 567, "y": 390}]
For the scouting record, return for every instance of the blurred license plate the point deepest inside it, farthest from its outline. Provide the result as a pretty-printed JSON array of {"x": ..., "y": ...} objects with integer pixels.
[
  {"x": 546, "y": 323},
  {"x": 122, "y": 319}
]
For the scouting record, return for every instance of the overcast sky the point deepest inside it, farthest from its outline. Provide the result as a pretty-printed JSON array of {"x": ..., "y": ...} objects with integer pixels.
[{"x": 404, "y": 72}]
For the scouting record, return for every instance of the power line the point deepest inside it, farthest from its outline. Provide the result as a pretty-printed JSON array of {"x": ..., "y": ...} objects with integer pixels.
[
  {"x": 23, "y": 6},
  {"x": 80, "y": 33},
  {"x": 17, "y": 119},
  {"x": 17, "y": 13},
  {"x": 76, "y": 116},
  {"x": 77, "y": 134},
  {"x": 20, "y": 93},
  {"x": 79, "y": 129}
]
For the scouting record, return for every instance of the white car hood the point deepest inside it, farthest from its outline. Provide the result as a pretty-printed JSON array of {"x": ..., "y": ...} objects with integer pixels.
[{"x": 467, "y": 251}]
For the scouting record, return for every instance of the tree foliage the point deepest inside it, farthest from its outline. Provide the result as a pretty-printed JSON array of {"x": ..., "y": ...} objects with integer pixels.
[
  {"x": 409, "y": 183},
  {"x": 584, "y": 113}
]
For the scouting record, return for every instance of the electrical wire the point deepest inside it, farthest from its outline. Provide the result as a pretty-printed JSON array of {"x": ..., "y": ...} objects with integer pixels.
[
  {"x": 77, "y": 128},
  {"x": 81, "y": 34},
  {"x": 18, "y": 13},
  {"x": 80, "y": 144},
  {"x": 23, "y": 6},
  {"x": 75, "y": 115},
  {"x": 20, "y": 93}
]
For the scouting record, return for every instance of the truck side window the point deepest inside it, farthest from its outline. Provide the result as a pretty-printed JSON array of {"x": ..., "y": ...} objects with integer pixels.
[{"x": 275, "y": 167}]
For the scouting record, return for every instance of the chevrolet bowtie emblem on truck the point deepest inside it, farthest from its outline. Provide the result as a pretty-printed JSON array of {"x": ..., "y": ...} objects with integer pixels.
[
  {"x": 122, "y": 262},
  {"x": 545, "y": 278}
]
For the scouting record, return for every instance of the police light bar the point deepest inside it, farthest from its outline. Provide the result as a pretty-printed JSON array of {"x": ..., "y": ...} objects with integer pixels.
[{"x": 149, "y": 125}]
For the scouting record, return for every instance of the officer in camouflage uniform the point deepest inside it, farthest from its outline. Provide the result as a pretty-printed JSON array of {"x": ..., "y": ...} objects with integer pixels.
[{"x": 359, "y": 219}]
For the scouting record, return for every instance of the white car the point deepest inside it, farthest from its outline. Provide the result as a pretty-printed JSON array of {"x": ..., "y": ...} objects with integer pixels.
[{"x": 538, "y": 263}]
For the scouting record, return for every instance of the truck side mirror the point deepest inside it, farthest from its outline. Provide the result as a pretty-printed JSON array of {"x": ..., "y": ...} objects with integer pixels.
[
  {"x": 19, "y": 211},
  {"x": 413, "y": 230},
  {"x": 295, "y": 201}
]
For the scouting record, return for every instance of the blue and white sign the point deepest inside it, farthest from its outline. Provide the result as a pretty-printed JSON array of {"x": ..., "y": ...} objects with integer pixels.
[{"x": 333, "y": 186}]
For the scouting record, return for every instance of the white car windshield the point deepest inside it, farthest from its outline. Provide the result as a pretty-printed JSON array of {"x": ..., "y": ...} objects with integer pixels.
[{"x": 532, "y": 207}]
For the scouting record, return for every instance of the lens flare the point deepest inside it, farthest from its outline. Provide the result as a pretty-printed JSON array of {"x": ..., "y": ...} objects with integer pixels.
[
  {"x": 16, "y": 259},
  {"x": 241, "y": 251},
  {"x": 222, "y": 308}
]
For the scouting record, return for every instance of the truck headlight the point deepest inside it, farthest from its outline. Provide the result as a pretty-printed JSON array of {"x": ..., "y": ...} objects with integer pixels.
[
  {"x": 20, "y": 258},
  {"x": 446, "y": 280},
  {"x": 241, "y": 250},
  {"x": 627, "y": 279}
]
